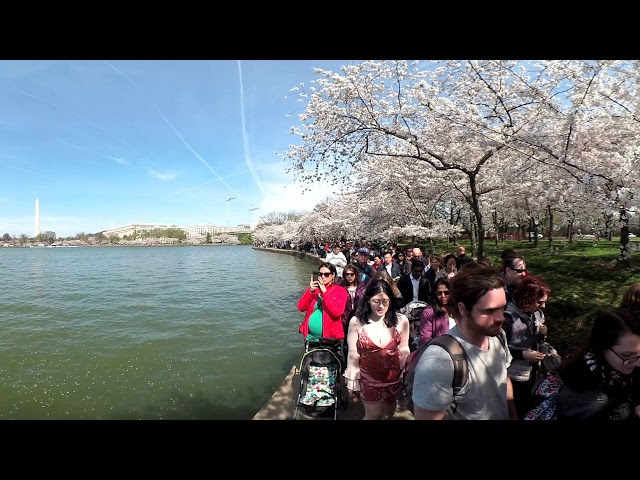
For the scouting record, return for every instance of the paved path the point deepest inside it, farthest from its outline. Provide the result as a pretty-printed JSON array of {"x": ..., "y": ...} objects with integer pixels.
[{"x": 281, "y": 405}]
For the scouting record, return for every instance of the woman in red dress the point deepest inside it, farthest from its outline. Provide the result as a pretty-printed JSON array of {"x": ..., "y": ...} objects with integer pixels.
[{"x": 378, "y": 340}]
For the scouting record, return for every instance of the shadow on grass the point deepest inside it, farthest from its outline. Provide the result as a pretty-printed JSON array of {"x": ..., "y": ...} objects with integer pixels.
[{"x": 583, "y": 277}]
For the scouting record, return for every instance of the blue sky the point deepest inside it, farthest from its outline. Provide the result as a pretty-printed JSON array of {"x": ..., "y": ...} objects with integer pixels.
[{"x": 105, "y": 143}]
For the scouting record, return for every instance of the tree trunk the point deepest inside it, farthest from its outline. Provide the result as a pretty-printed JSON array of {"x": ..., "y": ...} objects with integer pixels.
[
  {"x": 625, "y": 254},
  {"x": 550, "y": 224}
]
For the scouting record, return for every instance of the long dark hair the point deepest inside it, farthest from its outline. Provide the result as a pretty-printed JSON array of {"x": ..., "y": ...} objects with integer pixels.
[
  {"x": 437, "y": 308},
  {"x": 350, "y": 268},
  {"x": 364, "y": 307},
  {"x": 609, "y": 325}
]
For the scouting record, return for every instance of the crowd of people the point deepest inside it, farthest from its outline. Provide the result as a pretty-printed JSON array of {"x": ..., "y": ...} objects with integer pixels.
[{"x": 496, "y": 313}]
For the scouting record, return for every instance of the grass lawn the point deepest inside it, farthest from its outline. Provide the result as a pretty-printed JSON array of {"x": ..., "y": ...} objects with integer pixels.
[{"x": 582, "y": 279}]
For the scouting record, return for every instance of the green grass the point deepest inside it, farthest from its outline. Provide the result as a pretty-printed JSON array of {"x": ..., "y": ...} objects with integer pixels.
[{"x": 582, "y": 280}]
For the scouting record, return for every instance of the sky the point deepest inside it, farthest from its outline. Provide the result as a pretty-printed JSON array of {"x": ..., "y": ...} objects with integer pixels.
[{"x": 106, "y": 143}]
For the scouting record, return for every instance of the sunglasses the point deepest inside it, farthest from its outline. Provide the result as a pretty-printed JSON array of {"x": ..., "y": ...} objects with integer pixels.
[
  {"x": 519, "y": 270},
  {"x": 350, "y": 274},
  {"x": 325, "y": 274},
  {"x": 443, "y": 292}
]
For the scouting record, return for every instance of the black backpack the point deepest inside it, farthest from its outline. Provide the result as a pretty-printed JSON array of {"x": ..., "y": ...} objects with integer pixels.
[{"x": 460, "y": 366}]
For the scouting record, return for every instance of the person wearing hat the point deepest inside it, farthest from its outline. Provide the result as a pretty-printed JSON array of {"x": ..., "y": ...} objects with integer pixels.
[{"x": 365, "y": 271}]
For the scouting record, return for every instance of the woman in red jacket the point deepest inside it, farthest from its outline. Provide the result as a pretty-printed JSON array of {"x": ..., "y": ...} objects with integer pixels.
[{"x": 324, "y": 302}]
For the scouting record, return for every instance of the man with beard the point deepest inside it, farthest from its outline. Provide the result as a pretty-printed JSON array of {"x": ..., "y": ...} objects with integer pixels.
[{"x": 477, "y": 303}]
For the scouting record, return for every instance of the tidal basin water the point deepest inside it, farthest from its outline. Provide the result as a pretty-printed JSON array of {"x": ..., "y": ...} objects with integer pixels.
[{"x": 194, "y": 332}]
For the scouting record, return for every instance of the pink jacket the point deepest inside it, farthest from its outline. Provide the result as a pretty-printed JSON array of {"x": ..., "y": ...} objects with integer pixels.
[
  {"x": 333, "y": 302},
  {"x": 432, "y": 326}
]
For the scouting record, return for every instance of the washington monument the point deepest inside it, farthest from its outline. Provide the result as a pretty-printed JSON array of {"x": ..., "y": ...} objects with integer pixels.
[{"x": 37, "y": 217}]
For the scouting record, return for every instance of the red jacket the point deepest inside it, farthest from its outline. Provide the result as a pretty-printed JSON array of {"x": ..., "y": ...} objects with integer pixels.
[{"x": 334, "y": 301}]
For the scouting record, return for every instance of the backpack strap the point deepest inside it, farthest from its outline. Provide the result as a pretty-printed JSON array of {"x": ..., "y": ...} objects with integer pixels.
[{"x": 459, "y": 357}]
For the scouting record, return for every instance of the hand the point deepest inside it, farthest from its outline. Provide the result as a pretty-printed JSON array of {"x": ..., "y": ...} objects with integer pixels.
[
  {"x": 542, "y": 330},
  {"x": 322, "y": 287},
  {"x": 313, "y": 284},
  {"x": 532, "y": 355}
]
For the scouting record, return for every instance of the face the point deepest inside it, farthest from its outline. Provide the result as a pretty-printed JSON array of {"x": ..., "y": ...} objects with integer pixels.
[
  {"x": 326, "y": 276},
  {"x": 401, "y": 256},
  {"x": 387, "y": 258},
  {"x": 349, "y": 275},
  {"x": 442, "y": 294},
  {"x": 627, "y": 348},
  {"x": 451, "y": 264},
  {"x": 336, "y": 250},
  {"x": 513, "y": 275},
  {"x": 363, "y": 258},
  {"x": 379, "y": 304},
  {"x": 435, "y": 262},
  {"x": 541, "y": 303},
  {"x": 487, "y": 315},
  {"x": 417, "y": 271}
]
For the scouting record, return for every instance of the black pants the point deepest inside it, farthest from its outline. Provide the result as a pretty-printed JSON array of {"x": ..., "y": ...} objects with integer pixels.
[{"x": 522, "y": 396}]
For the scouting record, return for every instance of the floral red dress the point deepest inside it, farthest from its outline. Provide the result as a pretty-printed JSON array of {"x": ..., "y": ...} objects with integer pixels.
[{"x": 380, "y": 374}]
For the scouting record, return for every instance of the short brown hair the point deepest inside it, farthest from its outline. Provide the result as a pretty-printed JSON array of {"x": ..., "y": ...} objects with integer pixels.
[{"x": 471, "y": 283}]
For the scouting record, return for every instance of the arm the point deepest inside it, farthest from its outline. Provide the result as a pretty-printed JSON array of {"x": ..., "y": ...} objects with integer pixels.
[
  {"x": 513, "y": 414},
  {"x": 403, "y": 324},
  {"x": 426, "y": 324},
  {"x": 307, "y": 297},
  {"x": 352, "y": 372},
  {"x": 422, "y": 414},
  {"x": 432, "y": 384},
  {"x": 507, "y": 326},
  {"x": 334, "y": 301}
]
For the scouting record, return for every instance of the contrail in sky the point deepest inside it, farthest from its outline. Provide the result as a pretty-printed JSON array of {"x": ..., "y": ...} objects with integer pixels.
[
  {"x": 204, "y": 162},
  {"x": 245, "y": 137},
  {"x": 226, "y": 176},
  {"x": 77, "y": 115},
  {"x": 28, "y": 171}
]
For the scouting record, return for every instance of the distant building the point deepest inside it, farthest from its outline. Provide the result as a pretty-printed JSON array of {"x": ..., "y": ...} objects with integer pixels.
[{"x": 194, "y": 231}]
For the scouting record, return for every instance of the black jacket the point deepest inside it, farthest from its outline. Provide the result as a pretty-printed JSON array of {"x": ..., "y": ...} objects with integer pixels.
[{"x": 425, "y": 292}]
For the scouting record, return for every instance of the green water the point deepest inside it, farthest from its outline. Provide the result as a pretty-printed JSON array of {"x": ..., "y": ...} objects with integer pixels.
[{"x": 146, "y": 332}]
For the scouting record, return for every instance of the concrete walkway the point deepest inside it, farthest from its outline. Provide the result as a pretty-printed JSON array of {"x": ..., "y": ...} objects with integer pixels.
[{"x": 281, "y": 405}]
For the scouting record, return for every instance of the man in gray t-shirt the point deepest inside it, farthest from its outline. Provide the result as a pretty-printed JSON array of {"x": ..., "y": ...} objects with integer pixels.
[{"x": 478, "y": 300}]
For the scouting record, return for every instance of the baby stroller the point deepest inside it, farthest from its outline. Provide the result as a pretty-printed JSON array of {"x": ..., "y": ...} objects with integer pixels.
[
  {"x": 413, "y": 311},
  {"x": 320, "y": 373}
]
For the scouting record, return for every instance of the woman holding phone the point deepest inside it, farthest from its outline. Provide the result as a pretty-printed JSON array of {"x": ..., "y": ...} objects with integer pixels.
[{"x": 323, "y": 302}]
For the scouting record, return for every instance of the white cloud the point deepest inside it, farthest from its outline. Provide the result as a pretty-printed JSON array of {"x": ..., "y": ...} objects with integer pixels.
[
  {"x": 162, "y": 176},
  {"x": 289, "y": 197}
]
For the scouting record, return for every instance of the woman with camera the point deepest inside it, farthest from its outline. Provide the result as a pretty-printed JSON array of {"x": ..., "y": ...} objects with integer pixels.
[{"x": 323, "y": 302}]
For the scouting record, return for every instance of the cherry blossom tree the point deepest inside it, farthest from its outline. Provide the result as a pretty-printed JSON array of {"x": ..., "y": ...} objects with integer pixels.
[{"x": 470, "y": 121}]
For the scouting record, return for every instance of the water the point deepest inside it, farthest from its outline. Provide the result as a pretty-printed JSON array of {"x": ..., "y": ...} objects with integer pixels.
[{"x": 146, "y": 332}]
